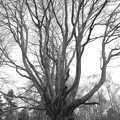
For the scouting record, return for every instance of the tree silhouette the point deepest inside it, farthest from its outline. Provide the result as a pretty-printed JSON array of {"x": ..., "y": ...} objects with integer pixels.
[{"x": 50, "y": 35}]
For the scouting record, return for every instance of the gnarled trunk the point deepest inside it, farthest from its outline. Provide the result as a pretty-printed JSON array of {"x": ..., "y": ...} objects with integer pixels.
[{"x": 62, "y": 117}]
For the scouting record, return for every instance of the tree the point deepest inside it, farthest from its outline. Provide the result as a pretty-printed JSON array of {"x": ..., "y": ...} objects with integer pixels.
[
  {"x": 50, "y": 35},
  {"x": 9, "y": 111},
  {"x": 7, "y": 106},
  {"x": 1, "y": 107}
]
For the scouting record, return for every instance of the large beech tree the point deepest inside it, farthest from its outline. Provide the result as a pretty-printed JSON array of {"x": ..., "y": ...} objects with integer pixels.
[{"x": 50, "y": 35}]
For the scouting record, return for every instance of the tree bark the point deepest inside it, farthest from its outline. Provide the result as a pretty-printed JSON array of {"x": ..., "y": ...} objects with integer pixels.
[{"x": 62, "y": 117}]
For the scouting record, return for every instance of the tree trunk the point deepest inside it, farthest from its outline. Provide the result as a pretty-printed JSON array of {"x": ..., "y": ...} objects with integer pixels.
[{"x": 61, "y": 117}]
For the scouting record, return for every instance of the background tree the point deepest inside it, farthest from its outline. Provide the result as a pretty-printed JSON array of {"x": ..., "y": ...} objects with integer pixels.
[
  {"x": 1, "y": 108},
  {"x": 8, "y": 107},
  {"x": 49, "y": 35}
]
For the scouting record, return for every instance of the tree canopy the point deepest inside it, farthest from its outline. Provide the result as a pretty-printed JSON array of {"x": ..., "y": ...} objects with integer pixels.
[{"x": 50, "y": 35}]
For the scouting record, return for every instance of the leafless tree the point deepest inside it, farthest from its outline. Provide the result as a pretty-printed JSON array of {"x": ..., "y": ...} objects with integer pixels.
[{"x": 50, "y": 35}]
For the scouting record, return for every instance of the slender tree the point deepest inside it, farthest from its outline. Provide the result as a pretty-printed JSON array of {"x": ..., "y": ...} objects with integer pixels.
[{"x": 50, "y": 35}]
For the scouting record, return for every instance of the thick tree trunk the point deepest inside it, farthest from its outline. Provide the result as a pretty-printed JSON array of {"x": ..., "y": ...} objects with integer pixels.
[{"x": 62, "y": 117}]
